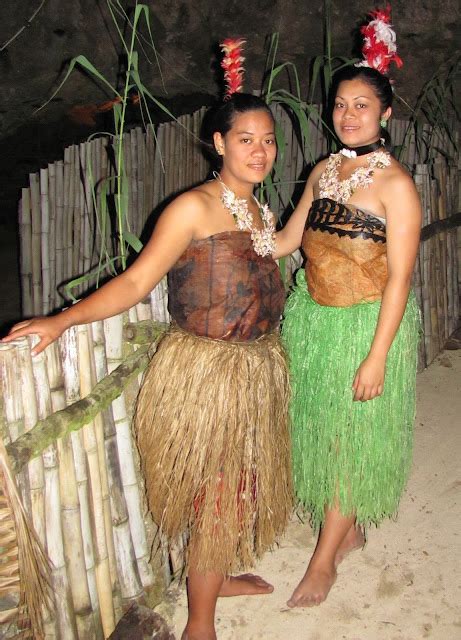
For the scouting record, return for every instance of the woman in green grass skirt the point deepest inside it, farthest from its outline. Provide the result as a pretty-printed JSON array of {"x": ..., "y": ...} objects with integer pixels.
[{"x": 351, "y": 330}]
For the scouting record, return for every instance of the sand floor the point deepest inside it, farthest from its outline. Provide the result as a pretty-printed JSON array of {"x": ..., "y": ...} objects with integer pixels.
[{"x": 406, "y": 583}]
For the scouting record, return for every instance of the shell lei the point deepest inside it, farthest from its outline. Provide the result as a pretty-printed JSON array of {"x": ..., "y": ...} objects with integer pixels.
[
  {"x": 263, "y": 239},
  {"x": 331, "y": 186}
]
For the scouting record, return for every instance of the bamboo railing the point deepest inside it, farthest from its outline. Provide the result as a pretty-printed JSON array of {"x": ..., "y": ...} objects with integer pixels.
[
  {"x": 67, "y": 426},
  {"x": 66, "y": 413}
]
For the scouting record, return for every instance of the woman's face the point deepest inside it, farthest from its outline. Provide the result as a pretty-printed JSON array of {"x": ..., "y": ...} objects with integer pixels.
[
  {"x": 248, "y": 149},
  {"x": 357, "y": 113}
]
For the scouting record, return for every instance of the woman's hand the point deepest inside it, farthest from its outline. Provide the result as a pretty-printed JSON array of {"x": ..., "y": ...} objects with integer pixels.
[
  {"x": 47, "y": 329},
  {"x": 369, "y": 379}
]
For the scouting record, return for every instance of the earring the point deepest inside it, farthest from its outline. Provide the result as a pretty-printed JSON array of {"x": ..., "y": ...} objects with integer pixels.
[
  {"x": 220, "y": 152},
  {"x": 383, "y": 123}
]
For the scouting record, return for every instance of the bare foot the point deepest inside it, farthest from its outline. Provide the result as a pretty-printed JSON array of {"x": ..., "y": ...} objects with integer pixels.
[
  {"x": 355, "y": 539},
  {"x": 313, "y": 588},
  {"x": 245, "y": 585},
  {"x": 198, "y": 633}
]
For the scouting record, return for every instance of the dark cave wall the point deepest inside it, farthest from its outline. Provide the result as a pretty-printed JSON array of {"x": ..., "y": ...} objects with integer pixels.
[{"x": 185, "y": 34}]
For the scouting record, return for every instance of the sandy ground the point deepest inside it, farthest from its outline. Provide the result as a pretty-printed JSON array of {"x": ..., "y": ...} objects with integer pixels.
[{"x": 406, "y": 583}]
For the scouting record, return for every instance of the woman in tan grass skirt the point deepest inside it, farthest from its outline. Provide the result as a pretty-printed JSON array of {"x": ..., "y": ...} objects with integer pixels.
[{"x": 211, "y": 419}]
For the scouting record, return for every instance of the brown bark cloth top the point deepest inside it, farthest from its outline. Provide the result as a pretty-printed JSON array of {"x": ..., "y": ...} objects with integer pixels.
[
  {"x": 220, "y": 288},
  {"x": 345, "y": 249}
]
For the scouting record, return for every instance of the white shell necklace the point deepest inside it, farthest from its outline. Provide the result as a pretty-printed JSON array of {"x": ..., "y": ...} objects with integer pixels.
[
  {"x": 330, "y": 186},
  {"x": 263, "y": 239}
]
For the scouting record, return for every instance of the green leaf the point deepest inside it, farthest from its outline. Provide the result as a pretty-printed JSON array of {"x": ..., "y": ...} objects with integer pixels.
[{"x": 134, "y": 242}]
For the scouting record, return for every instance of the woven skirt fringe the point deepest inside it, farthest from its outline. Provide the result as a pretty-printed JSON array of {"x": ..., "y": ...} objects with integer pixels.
[
  {"x": 357, "y": 453},
  {"x": 213, "y": 437}
]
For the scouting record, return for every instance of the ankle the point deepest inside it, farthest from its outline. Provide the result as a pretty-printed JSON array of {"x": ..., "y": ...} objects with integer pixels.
[{"x": 198, "y": 631}]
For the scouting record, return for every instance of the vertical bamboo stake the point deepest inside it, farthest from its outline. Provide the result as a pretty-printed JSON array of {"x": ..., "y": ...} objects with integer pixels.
[
  {"x": 44, "y": 241},
  {"x": 113, "y": 331},
  {"x": 67, "y": 220},
  {"x": 36, "y": 257},
  {"x": 141, "y": 150},
  {"x": 134, "y": 186},
  {"x": 159, "y": 175},
  {"x": 52, "y": 234},
  {"x": 60, "y": 225},
  {"x": 97, "y": 515},
  {"x": 81, "y": 215},
  {"x": 25, "y": 235},
  {"x": 87, "y": 207},
  {"x": 149, "y": 174},
  {"x": 14, "y": 412},
  {"x": 112, "y": 489},
  {"x": 78, "y": 535},
  {"x": 72, "y": 243},
  {"x": 65, "y": 617}
]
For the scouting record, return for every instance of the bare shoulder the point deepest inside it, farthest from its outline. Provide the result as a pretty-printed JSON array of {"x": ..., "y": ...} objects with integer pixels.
[
  {"x": 397, "y": 175},
  {"x": 188, "y": 208},
  {"x": 398, "y": 192},
  {"x": 317, "y": 171}
]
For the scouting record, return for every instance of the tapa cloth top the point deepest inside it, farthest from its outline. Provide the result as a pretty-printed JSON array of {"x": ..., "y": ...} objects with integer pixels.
[
  {"x": 345, "y": 248},
  {"x": 221, "y": 289}
]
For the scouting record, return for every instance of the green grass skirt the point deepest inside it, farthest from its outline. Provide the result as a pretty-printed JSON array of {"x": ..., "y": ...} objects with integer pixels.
[{"x": 357, "y": 452}]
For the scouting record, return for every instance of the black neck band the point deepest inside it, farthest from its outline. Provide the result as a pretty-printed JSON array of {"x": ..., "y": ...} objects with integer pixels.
[{"x": 367, "y": 148}]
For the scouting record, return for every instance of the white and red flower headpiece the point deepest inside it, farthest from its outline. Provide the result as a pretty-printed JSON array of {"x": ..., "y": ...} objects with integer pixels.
[
  {"x": 232, "y": 63},
  {"x": 379, "y": 48}
]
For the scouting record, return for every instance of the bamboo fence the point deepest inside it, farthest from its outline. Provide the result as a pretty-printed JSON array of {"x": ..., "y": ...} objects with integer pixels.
[{"x": 66, "y": 413}]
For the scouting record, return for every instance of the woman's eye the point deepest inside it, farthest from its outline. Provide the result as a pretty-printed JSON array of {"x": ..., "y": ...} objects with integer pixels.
[
  {"x": 270, "y": 141},
  {"x": 339, "y": 105},
  {"x": 245, "y": 140},
  {"x": 361, "y": 105}
]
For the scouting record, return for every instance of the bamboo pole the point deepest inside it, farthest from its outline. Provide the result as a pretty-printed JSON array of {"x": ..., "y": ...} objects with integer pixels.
[
  {"x": 68, "y": 213},
  {"x": 64, "y": 623},
  {"x": 87, "y": 207},
  {"x": 60, "y": 214},
  {"x": 44, "y": 241},
  {"x": 52, "y": 233},
  {"x": 113, "y": 331},
  {"x": 134, "y": 182},
  {"x": 25, "y": 238},
  {"x": 112, "y": 489},
  {"x": 36, "y": 240},
  {"x": 72, "y": 243},
  {"x": 97, "y": 512},
  {"x": 14, "y": 412},
  {"x": 141, "y": 151},
  {"x": 80, "y": 213},
  {"x": 88, "y": 616},
  {"x": 36, "y": 473},
  {"x": 149, "y": 173}
]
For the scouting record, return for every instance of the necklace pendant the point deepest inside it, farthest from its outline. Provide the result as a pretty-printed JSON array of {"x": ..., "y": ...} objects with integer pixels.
[{"x": 348, "y": 153}]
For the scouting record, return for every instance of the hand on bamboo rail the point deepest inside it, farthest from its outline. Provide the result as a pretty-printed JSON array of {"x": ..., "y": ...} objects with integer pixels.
[{"x": 47, "y": 329}]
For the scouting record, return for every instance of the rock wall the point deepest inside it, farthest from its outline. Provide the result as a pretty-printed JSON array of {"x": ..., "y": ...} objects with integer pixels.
[{"x": 185, "y": 34}]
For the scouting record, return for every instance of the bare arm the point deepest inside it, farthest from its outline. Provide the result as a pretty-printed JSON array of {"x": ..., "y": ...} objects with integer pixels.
[
  {"x": 172, "y": 235},
  {"x": 289, "y": 238},
  {"x": 403, "y": 230}
]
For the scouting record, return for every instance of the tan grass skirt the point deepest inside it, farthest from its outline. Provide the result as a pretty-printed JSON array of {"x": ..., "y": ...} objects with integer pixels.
[{"x": 213, "y": 437}]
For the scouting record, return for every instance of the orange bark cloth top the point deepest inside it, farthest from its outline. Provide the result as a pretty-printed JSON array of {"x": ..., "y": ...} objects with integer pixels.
[
  {"x": 345, "y": 249},
  {"x": 220, "y": 288}
]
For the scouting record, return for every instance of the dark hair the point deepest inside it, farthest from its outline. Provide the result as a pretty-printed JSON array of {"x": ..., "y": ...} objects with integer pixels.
[
  {"x": 376, "y": 80},
  {"x": 221, "y": 118}
]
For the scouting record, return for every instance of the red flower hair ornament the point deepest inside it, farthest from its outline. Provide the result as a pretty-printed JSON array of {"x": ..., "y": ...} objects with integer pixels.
[
  {"x": 232, "y": 63},
  {"x": 379, "y": 48}
]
